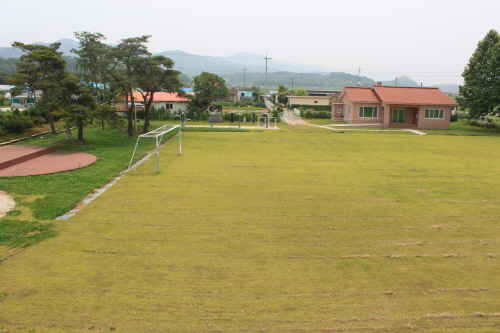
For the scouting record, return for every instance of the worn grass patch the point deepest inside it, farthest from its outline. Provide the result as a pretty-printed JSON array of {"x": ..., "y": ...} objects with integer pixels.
[{"x": 276, "y": 231}]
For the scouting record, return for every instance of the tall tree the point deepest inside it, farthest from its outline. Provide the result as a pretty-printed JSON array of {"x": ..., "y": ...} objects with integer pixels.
[
  {"x": 123, "y": 72},
  {"x": 207, "y": 87},
  {"x": 155, "y": 74},
  {"x": 41, "y": 68},
  {"x": 77, "y": 104},
  {"x": 92, "y": 60},
  {"x": 481, "y": 90}
]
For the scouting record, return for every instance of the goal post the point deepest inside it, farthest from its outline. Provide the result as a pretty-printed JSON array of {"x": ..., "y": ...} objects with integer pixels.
[{"x": 158, "y": 134}]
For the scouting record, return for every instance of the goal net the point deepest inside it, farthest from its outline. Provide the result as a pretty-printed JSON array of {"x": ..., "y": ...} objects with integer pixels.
[{"x": 155, "y": 139}]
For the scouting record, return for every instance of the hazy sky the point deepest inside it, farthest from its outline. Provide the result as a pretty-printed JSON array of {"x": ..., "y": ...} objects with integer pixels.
[{"x": 428, "y": 40}]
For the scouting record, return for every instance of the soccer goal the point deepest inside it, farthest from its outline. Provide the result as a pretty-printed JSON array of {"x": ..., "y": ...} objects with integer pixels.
[{"x": 157, "y": 134}]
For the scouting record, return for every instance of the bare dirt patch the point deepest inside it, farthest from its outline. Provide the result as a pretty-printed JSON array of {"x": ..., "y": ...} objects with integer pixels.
[{"x": 7, "y": 203}]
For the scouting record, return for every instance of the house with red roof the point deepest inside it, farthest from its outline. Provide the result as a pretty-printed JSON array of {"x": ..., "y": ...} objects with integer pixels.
[
  {"x": 392, "y": 106},
  {"x": 170, "y": 101}
]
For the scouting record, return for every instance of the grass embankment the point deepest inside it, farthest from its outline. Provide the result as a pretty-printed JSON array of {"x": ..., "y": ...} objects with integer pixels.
[{"x": 277, "y": 231}]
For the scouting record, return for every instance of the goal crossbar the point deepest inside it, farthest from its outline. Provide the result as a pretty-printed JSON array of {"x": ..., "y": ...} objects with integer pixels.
[{"x": 158, "y": 135}]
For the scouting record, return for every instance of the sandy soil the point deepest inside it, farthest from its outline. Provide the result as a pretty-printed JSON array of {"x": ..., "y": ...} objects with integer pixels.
[{"x": 7, "y": 203}]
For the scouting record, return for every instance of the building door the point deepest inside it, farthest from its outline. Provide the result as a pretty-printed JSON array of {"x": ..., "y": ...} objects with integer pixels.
[{"x": 398, "y": 115}]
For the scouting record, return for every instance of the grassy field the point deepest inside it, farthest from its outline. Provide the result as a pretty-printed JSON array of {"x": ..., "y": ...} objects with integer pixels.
[{"x": 293, "y": 230}]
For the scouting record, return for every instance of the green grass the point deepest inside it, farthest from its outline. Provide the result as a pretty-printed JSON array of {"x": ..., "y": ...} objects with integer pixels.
[
  {"x": 322, "y": 121},
  {"x": 16, "y": 233},
  {"x": 276, "y": 231},
  {"x": 44, "y": 197},
  {"x": 461, "y": 128},
  {"x": 214, "y": 129}
]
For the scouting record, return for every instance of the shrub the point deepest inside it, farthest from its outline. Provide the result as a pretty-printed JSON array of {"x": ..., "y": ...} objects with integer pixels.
[
  {"x": 18, "y": 125},
  {"x": 476, "y": 123}
]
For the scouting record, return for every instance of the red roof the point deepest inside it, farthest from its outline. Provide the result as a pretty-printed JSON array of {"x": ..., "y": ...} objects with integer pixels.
[
  {"x": 412, "y": 95},
  {"x": 399, "y": 95},
  {"x": 359, "y": 94},
  {"x": 162, "y": 97}
]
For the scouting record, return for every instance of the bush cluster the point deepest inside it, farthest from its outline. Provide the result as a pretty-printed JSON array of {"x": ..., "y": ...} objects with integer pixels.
[
  {"x": 489, "y": 123},
  {"x": 312, "y": 107},
  {"x": 17, "y": 122},
  {"x": 160, "y": 114},
  {"x": 313, "y": 114}
]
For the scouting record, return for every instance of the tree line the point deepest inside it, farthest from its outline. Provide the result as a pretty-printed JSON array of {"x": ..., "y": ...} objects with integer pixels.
[{"x": 103, "y": 71}]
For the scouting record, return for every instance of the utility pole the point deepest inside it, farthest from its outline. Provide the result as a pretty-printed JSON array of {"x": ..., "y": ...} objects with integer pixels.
[
  {"x": 292, "y": 85},
  {"x": 265, "y": 81},
  {"x": 244, "y": 77}
]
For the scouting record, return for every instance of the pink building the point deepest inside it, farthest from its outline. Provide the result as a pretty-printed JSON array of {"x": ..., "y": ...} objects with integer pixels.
[{"x": 389, "y": 106}]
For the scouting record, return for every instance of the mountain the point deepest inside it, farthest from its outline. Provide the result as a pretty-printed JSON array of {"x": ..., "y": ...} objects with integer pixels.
[
  {"x": 192, "y": 64},
  {"x": 405, "y": 81},
  {"x": 66, "y": 46},
  {"x": 292, "y": 81},
  {"x": 402, "y": 81},
  {"x": 238, "y": 68},
  {"x": 257, "y": 62},
  {"x": 451, "y": 88}
]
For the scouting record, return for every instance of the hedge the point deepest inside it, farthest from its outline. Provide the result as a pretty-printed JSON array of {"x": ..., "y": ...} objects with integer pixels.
[{"x": 315, "y": 107}]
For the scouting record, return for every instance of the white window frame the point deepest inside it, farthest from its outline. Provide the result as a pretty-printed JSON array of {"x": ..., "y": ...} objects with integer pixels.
[
  {"x": 431, "y": 113},
  {"x": 374, "y": 111}
]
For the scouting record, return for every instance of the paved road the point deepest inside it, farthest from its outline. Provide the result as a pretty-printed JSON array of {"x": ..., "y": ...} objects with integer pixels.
[{"x": 287, "y": 117}]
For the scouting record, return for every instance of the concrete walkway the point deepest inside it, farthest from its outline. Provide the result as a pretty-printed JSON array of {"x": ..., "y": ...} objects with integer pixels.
[
  {"x": 367, "y": 130},
  {"x": 291, "y": 119}
]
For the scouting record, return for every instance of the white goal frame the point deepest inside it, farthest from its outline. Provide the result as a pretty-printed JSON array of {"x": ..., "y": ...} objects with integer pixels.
[{"x": 158, "y": 135}]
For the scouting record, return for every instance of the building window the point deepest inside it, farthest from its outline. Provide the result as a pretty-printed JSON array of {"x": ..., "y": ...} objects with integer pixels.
[
  {"x": 368, "y": 112},
  {"x": 315, "y": 101},
  {"x": 434, "y": 114},
  {"x": 169, "y": 106},
  {"x": 339, "y": 110}
]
